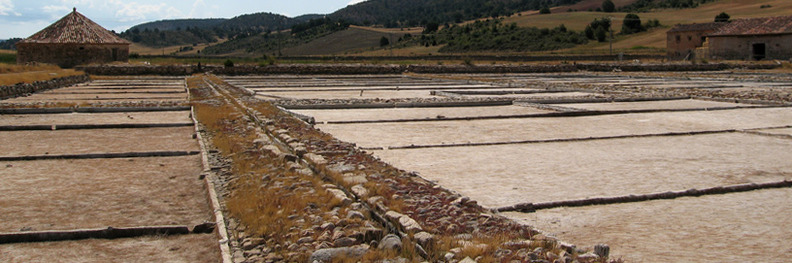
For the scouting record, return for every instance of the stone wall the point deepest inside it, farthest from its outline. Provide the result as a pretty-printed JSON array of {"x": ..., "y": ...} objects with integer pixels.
[
  {"x": 741, "y": 47},
  {"x": 24, "y": 89},
  {"x": 70, "y": 55},
  {"x": 342, "y": 69}
]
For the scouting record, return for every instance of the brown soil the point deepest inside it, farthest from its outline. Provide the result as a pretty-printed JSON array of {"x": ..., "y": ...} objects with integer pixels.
[
  {"x": 97, "y": 141},
  {"x": 96, "y": 118},
  {"x": 416, "y": 113},
  {"x": 499, "y": 130},
  {"x": 186, "y": 248},
  {"x": 739, "y": 227},
  {"x": 97, "y": 193},
  {"x": 510, "y": 174}
]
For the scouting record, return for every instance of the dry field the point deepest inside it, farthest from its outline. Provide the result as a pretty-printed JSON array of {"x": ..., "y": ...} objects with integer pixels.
[
  {"x": 512, "y": 154},
  {"x": 100, "y": 170}
]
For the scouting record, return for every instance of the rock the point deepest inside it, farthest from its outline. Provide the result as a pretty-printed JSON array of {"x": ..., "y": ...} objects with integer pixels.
[
  {"x": 424, "y": 239},
  {"x": 341, "y": 168},
  {"x": 371, "y": 233},
  {"x": 355, "y": 179},
  {"x": 315, "y": 158},
  {"x": 392, "y": 215},
  {"x": 272, "y": 148},
  {"x": 328, "y": 226},
  {"x": 588, "y": 257},
  {"x": 251, "y": 243},
  {"x": 390, "y": 242},
  {"x": 345, "y": 242},
  {"x": 340, "y": 195},
  {"x": 305, "y": 240},
  {"x": 327, "y": 255},
  {"x": 360, "y": 191},
  {"x": 352, "y": 214},
  {"x": 449, "y": 256},
  {"x": 467, "y": 260}
]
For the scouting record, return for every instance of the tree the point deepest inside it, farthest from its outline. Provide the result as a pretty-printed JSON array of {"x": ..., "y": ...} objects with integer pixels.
[
  {"x": 431, "y": 27},
  {"x": 589, "y": 32},
  {"x": 601, "y": 33},
  {"x": 722, "y": 17},
  {"x": 608, "y": 6},
  {"x": 384, "y": 41},
  {"x": 544, "y": 10},
  {"x": 632, "y": 24}
]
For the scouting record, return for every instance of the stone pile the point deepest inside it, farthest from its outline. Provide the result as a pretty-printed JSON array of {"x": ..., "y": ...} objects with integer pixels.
[
  {"x": 24, "y": 89},
  {"x": 348, "y": 69}
]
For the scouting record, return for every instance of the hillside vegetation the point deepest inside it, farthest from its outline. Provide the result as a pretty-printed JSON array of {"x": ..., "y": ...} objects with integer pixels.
[
  {"x": 407, "y": 13},
  {"x": 181, "y": 32}
]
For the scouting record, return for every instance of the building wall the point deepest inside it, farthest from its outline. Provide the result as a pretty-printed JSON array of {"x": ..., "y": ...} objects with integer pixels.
[
  {"x": 679, "y": 44},
  {"x": 70, "y": 55},
  {"x": 741, "y": 47}
]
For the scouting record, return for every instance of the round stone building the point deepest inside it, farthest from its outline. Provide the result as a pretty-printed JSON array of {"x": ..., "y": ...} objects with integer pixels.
[{"x": 73, "y": 40}]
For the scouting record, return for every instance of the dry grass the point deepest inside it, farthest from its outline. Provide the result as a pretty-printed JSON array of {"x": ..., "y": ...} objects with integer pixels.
[{"x": 13, "y": 74}]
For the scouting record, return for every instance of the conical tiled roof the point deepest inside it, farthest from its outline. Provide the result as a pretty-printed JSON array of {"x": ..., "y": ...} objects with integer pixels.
[{"x": 74, "y": 28}]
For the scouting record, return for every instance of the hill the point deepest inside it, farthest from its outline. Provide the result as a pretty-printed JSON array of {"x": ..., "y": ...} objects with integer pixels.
[
  {"x": 178, "y": 24},
  {"x": 181, "y": 32},
  {"x": 668, "y": 17},
  {"x": 408, "y": 13}
]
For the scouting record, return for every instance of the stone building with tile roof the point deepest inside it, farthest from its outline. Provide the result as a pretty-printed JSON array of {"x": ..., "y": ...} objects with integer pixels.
[
  {"x": 753, "y": 39},
  {"x": 73, "y": 40},
  {"x": 682, "y": 40}
]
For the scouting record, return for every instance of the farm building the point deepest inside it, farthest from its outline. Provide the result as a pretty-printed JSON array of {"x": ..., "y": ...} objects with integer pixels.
[
  {"x": 73, "y": 40},
  {"x": 753, "y": 39},
  {"x": 682, "y": 40}
]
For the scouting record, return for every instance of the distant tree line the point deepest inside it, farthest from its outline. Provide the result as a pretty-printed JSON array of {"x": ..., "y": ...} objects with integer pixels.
[
  {"x": 494, "y": 35},
  {"x": 410, "y": 13},
  {"x": 647, "y": 5},
  {"x": 9, "y": 44}
]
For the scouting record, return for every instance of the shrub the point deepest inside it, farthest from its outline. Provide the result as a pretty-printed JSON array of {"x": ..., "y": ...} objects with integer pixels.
[
  {"x": 544, "y": 10},
  {"x": 384, "y": 41},
  {"x": 722, "y": 17},
  {"x": 608, "y": 6},
  {"x": 632, "y": 24},
  {"x": 228, "y": 63}
]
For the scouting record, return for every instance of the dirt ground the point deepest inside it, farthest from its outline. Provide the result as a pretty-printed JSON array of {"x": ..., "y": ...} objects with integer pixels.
[
  {"x": 96, "y": 118},
  {"x": 97, "y": 141},
  {"x": 97, "y": 193},
  {"x": 176, "y": 249},
  {"x": 372, "y": 94},
  {"x": 416, "y": 113},
  {"x": 739, "y": 227},
  {"x": 505, "y": 130},
  {"x": 511, "y": 174},
  {"x": 659, "y": 105}
]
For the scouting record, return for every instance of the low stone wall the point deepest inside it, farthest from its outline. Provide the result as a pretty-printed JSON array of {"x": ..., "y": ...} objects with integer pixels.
[
  {"x": 22, "y": 89},
  {"x": 348, "y": 69}
]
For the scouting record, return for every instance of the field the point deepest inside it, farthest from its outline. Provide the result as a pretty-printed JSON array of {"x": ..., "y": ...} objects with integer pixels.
[
  {"x": 74, "y": 172},
  {"x": 654, "y": 38},
  {"x": 503, "y": 156}
]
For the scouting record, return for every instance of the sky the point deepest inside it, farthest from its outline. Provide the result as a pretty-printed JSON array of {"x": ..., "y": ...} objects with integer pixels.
[{"x": 22, "y": 18}]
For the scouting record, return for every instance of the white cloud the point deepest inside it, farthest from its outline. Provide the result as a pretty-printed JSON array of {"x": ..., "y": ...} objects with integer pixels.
[
  {"x": 55, "y": 11},
  {"x": 355, "y": 2},
  {"x": 6, "y": 7},
  {"x": 134, "y": 11}
]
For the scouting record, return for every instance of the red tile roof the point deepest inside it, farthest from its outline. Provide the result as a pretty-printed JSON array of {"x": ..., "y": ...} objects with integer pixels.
[
  {"x": 74, "y": 28},
  {"x": 756, "y": 26},
  {"x": 712, "y": 26}
]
